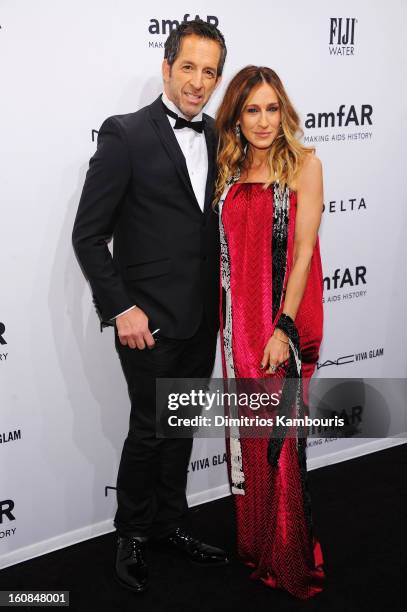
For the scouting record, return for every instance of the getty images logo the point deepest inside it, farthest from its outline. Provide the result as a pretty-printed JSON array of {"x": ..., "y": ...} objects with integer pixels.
[{"x": 342, "y": 35}]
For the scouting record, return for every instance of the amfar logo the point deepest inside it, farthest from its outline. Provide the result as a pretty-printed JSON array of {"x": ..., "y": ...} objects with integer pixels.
[
  {"x": 3, "y": 356},
  {"x": 348, "y": 276},
  {"x": 165, "y": 26},
  {"x": 6, "y": 515},
  {"x": 342, "y": 35},
  {"x": 352, "y": 116},
  {"x": 343, "y": 117},
  {"x": 351, "y": 417},
  {"x": 345, "y": 205},
  {"x": 345, "y": 278},
  {"x": 6, "y": 508},
  {"x": 2, "y": 330}
]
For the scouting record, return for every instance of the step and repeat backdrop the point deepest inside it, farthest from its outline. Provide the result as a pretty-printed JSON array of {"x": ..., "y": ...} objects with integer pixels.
[{"x": 66, "y": 66}]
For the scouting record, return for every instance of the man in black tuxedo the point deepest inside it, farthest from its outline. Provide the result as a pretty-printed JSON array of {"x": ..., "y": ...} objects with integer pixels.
[{"x": 150, "y": 186}]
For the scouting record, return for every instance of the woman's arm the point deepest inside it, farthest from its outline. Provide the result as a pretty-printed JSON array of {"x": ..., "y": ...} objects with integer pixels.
[
  {"x": 309, "y": 211},
  {"x": 308, "y": 219}
]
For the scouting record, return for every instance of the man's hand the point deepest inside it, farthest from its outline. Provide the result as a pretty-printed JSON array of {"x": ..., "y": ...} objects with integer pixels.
[{"x": 132, "y": 328}]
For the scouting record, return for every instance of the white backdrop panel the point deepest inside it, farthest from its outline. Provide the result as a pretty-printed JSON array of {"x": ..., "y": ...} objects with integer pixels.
[{"x": 66, "y": 66}]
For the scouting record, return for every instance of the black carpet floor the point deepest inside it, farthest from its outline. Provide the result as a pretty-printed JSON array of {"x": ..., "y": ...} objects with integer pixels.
[{"x": 359, "y": 510}]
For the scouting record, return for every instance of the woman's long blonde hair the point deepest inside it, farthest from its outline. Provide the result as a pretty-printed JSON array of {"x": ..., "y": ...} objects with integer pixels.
[{"x": 286, "y": 152}]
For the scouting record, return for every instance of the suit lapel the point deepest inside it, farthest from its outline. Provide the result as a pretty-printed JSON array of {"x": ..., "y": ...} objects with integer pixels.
[
  {"x": 211, "y": 146},
  {"x": 170, "y": 144}
]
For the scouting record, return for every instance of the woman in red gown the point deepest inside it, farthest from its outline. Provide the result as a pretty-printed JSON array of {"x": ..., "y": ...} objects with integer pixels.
[{"x": 269, "y": 192}]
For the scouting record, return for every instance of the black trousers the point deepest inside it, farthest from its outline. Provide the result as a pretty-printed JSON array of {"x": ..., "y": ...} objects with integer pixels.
[{"x": 152, "y": 474}]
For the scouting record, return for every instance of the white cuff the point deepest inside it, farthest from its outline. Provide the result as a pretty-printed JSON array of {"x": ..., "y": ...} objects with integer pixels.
[{"x": 120, "y": 313}]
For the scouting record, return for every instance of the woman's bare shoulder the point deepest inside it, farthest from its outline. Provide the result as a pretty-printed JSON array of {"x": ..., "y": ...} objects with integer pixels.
[
  {"x": 309, "y": 170},
  {"x": 310, "y": 167}
]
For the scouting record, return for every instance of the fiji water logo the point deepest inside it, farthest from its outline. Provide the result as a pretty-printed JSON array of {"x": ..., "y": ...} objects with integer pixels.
[{"x": 342, "y": 35}]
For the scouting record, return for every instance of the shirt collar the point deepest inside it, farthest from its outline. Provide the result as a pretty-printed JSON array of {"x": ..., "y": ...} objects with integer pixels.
[{"x": 175, "y": 109}]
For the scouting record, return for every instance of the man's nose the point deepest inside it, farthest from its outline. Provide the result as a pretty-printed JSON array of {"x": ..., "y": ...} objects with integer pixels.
[{"x": 197, "y": 79}]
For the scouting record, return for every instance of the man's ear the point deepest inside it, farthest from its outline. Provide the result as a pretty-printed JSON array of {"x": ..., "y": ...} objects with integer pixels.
[{"x": 166, "y": 70}]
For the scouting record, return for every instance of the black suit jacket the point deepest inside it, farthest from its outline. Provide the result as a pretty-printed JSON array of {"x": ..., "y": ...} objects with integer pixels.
[{"x": 165, "y": 249}]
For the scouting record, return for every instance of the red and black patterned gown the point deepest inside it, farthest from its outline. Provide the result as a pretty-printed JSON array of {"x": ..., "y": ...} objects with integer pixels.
[{"x": 273, "y": 522}]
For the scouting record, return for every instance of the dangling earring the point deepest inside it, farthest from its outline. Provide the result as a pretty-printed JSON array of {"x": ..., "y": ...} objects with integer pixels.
[
  {"x": 281, "y": 134},
  {"x": 237, "y": 130}
]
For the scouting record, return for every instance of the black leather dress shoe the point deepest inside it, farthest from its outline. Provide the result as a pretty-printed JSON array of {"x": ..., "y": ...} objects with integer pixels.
[
  {"x": 131, "y": 566},
  {"x": 193, "y": 549}
]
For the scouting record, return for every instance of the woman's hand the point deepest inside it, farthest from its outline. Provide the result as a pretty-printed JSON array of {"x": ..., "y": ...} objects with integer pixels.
[{"x": 276, "y": 351}]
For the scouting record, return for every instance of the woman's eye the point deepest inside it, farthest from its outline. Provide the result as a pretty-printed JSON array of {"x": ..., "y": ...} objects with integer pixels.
[{"x": 252, "y": 110}]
